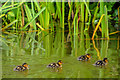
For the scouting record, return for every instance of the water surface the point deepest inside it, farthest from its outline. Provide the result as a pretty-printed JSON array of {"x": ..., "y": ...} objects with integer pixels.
[{"x": 71, "y": 67}]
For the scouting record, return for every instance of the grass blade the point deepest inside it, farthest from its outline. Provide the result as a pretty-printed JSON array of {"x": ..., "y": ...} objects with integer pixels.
[{"x": 34, "y": 17}]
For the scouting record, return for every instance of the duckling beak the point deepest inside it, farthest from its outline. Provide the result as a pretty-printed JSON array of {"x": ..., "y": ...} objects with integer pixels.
[
  {"x": 88, "y": 56},
  {"x": 60, "y": 63},
  {"x": 106, "y": 60}
]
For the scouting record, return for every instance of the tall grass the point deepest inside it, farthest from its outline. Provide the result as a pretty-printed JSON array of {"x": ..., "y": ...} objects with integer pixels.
[{"x": 40, "y": 26}]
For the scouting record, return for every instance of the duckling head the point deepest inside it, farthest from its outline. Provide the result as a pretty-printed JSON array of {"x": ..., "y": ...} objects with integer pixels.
[
  {"x": 25, "y": 65},
  {"x": 59, "y": 62},
  {"x": 105, "y": 60},
  {"x": 88, "y": 56}
]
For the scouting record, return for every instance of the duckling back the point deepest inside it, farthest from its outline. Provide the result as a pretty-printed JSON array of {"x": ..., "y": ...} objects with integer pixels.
[
  {"x": 99, "y": 63},
  {"x": 18, "y": 68},
  {"x": 22, "y": 67},
  {"x": 52, "y": 65},
  {"x": 81, "y": 58}
]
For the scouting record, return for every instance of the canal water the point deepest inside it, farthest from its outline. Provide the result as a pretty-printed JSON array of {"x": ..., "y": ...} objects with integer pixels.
[{"x": 71, "y": 68}]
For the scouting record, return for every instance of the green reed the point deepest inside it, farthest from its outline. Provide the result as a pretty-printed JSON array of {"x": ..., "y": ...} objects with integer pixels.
[
  {"x": 87, "y": 24},
  {"x": 76, "y": 37},
  {"x": 95, "y": 14},
  {"x": 82, "y": 49},
  {"x": 104, "y": 48},
  {"x": 106, "y": 23},
  {"x": 94, "y": 17},
  {"x": 63, "y": 28},
  {"x": 38, "y": 26},
  {"x": 101, "y": 13},
  {"x": 69, "y": 24}
]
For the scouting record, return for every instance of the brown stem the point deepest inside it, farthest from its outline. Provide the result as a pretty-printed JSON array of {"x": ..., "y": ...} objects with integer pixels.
[{"x": 21, "y": 41}]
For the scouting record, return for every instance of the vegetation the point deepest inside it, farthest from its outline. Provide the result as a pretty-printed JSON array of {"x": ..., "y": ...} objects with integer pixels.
[{"x": 39, "y": 26}]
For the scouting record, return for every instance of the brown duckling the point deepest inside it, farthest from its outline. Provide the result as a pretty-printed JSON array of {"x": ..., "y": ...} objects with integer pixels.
[
  {"x": 55, "y": 65},
  {"x": 101, "y": 62},
  {"x": 84, "y": 57},
  {"x": 22, "y": 67}
]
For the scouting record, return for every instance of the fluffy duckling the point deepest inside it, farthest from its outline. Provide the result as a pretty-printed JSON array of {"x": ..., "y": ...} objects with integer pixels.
[
  {"x": 55, "y": 65},
  {"x": 22, "y": 67},
  {"x": 101, "y": 62},
  {"x": 84, "y": 57}
]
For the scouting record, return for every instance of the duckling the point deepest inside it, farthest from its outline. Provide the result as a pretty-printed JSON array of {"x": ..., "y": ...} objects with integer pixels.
[
  {"x": 101, "y": 62},
  {"x": 22, "y": 67},
  {"x": 84, "y": 57},
  {"x": 55, "y": 65}
]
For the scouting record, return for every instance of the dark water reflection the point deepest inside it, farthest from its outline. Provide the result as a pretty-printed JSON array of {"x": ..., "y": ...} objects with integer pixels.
[{"x": 71, "y": 67}]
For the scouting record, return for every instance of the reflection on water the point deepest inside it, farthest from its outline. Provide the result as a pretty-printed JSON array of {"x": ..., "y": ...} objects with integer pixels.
[{"x": 71, "y": 67}]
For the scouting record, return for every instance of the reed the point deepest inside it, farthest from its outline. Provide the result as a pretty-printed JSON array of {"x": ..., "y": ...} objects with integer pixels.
[
  {"x": 87, "y": 12},
  {"x": 74, "y": 40},
  {"x": 38, "y": 26},
  {"x": 75, "y": 37},
  {"x": 82, "y": 48},
  {"x": 7, "y": 26},
  {"x": 97, "y": 26},
  {"x": 69, "y": 25},
  {"x": 82, "y": 12},
  {"x": 62, "y": 28},
  {"x": 70, "y": 36},
  {"x": 87, "y": 24},
  {"x": 97, "y": 50},
  {"x": 104, "y": 48},
  {"x": 22, "y": 24},
  {"x": 9, "y": 9},
  {"x": 95, "y": 14},
  {"x": 106, "y": 23},
  {"x": 32, "y": 19},
  {"x": 103, "y": 21}
]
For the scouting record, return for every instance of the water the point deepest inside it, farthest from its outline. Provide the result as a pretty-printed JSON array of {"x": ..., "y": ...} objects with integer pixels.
[{"x": 71, "y": 67}]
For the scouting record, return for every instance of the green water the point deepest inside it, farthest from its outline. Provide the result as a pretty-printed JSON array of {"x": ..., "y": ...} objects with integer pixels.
[{"x": 71, "y": 67}]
